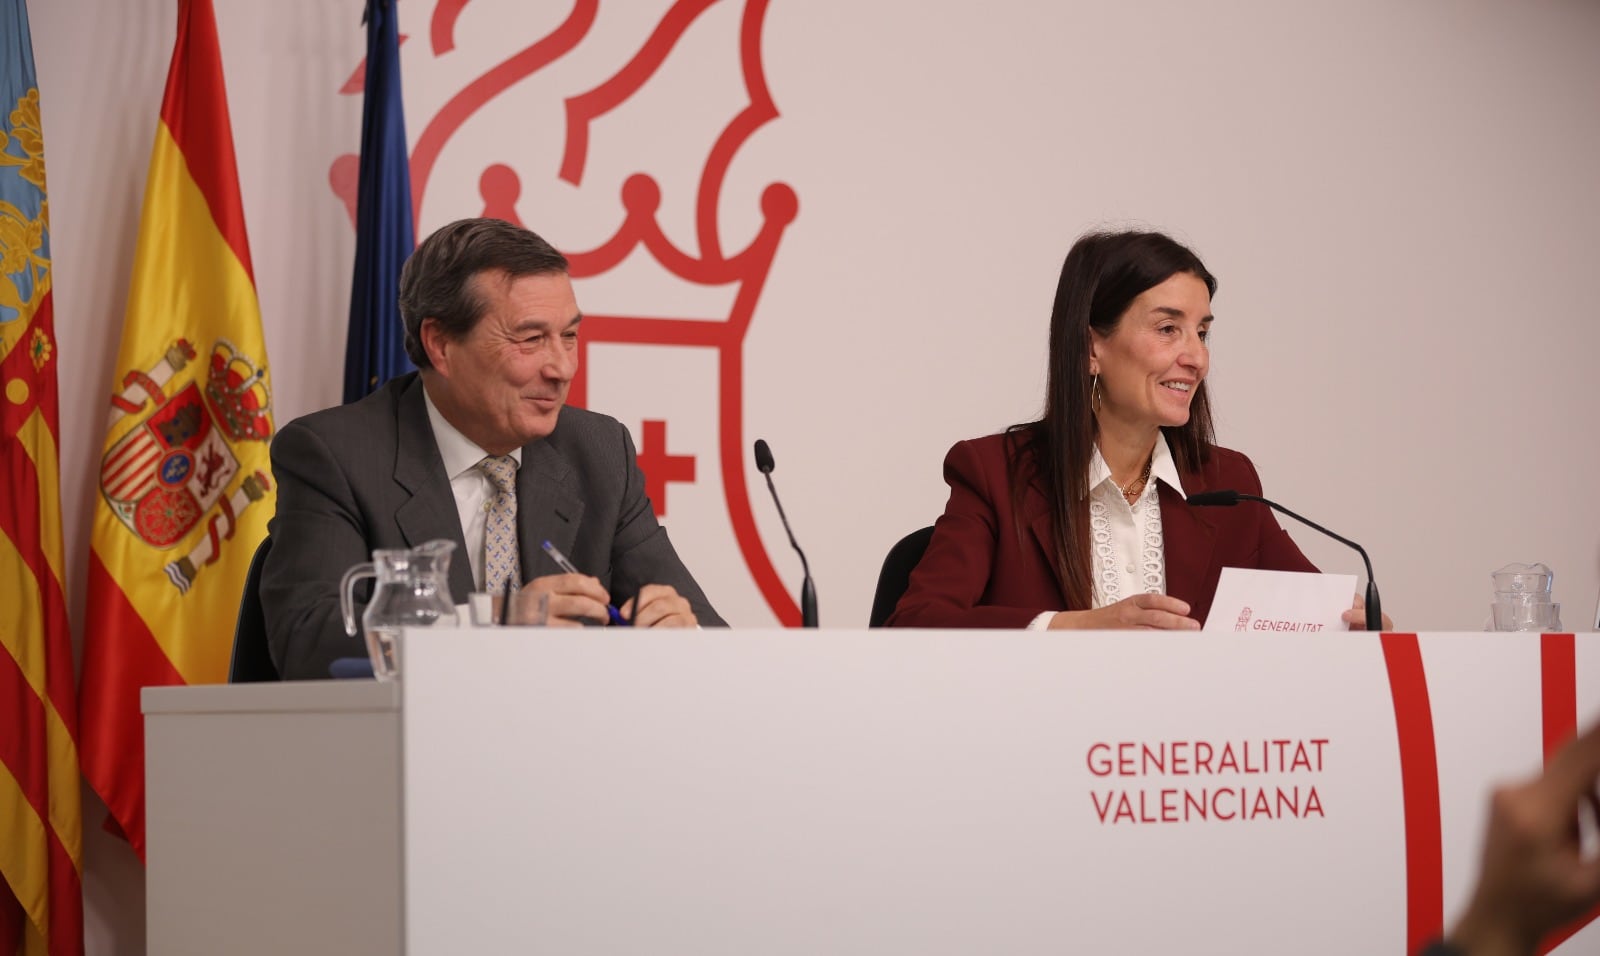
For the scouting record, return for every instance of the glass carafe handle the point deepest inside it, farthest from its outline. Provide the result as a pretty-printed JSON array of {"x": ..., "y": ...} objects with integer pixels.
[{"x": 347, "y": 587}]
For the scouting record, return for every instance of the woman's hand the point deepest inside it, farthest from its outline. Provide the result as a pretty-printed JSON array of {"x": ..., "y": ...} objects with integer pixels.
[
  {"x": 1356, "y": 617},
  {"x": 1157, "y": 612}
]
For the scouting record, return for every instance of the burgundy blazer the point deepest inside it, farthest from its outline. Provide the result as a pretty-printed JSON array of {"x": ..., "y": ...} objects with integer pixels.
[{"x": 981, "y": 570}]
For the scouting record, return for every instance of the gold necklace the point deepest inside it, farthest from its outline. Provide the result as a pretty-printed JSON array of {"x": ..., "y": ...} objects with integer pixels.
[{"x": 1131, "y": 493}]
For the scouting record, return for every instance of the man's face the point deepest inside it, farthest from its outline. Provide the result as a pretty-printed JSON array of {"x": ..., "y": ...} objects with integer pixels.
[{"x": 503, "y": 384}]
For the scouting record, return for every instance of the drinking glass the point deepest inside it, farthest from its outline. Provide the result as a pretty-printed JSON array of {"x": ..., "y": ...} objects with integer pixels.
[{"x": 527, "y": 610}]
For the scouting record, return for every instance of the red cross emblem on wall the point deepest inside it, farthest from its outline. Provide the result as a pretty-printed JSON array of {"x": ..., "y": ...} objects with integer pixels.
[{"x": 659, "y": 467}]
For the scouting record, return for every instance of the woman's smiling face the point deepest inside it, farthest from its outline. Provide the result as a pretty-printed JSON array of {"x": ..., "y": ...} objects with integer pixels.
[{"x": 1156, "y": 357}]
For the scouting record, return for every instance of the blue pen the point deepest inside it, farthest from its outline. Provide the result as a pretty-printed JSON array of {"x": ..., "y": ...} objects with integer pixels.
[{"x": 567, "y": 566}]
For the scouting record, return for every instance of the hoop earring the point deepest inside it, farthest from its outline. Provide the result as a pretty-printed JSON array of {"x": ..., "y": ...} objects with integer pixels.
[{"x": 1094, "y": 394}]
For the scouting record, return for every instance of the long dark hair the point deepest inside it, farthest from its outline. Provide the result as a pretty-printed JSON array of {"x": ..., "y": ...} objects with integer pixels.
[{"x": 1103, "y": 274}]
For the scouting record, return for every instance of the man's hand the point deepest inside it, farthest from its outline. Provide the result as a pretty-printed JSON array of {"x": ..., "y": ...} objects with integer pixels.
[
  {"x": 575, "y": 600},
  {"x": 659, "y": 605}
]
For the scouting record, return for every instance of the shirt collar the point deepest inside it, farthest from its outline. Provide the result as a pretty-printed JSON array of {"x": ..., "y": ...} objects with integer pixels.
[
  {"x": 460, "y": 453},
  {"x": 1163, "y": 467}
]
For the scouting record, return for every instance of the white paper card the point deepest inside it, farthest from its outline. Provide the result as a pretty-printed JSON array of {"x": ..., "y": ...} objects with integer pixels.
[{"x": 1258, "y": 601}]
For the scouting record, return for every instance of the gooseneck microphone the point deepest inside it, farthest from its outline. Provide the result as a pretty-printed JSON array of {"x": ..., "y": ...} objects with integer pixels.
[
  {"x": 1230, "y": 498},
  {"x": 808, "y": 591}
]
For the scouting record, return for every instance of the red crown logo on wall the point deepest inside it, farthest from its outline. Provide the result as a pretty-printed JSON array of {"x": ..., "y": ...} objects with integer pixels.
[{"x": 744, "y": 272}]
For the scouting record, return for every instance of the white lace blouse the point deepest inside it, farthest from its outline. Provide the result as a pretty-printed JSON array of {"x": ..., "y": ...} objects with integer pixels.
[{"x": 1126, "y": 548}]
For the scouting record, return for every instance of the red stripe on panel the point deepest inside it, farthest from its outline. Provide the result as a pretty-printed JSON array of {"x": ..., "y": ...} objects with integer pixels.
[
  {"x": 1558, "y": 672},
  {"x": 1558, "y": 676},
  {"x": 1419, "y": 779}
]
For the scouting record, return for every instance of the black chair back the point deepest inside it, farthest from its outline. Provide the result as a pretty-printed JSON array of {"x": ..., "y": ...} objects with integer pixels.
[
  {"x": 896, "y": 573},
  {"x": 252, "y": 662}
]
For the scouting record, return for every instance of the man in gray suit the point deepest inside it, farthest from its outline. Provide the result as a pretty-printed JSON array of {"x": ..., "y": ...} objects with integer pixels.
[{"x": 492, "y": 324}]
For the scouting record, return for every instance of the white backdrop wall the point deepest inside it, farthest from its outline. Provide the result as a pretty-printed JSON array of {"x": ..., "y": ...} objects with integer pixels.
[{"x": 1399, "y": 200}]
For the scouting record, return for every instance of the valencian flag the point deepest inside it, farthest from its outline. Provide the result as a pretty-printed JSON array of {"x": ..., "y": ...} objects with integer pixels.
[
  {"x": 41, "y": 822},
  {"x": 375, "y": 348},
  {"x": 184, "y": 493}
]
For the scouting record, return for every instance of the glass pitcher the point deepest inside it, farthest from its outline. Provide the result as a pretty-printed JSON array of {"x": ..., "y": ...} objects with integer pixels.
[
  {"x": 1522, "y": 599},
  {"x": 413, "y": 590}
]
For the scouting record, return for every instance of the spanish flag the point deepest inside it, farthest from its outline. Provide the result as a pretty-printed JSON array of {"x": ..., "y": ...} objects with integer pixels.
[
  {"x": 41, "y": 822},
  {"x": 184, "y": 493}
]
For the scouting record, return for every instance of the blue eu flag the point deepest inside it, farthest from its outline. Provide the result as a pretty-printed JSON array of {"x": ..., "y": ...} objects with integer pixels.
[{"x": 375, "y": 349}]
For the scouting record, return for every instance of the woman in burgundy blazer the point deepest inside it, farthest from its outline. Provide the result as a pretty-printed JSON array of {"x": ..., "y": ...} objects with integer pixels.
[
  {"x": 979, "y": 572},
  {"x": 1128, "y": 361}
]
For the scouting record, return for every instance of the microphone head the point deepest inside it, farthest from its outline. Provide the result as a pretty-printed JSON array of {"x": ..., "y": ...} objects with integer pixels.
[
  {"x": 1224, "y": 498},
  {"x": 764, "y": 462}
]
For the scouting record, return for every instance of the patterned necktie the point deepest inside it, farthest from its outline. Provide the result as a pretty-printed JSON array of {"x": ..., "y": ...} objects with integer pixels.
[{"x": 501, "y": 560}]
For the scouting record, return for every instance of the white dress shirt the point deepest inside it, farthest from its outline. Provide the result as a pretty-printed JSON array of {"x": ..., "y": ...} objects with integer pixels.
[
  {"x": 1127, "y": 551},
  {"x": 472, "y": 489}
]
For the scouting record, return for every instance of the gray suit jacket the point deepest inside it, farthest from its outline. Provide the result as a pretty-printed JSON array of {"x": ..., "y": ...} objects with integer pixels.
[{"x": 368, "y": 475}]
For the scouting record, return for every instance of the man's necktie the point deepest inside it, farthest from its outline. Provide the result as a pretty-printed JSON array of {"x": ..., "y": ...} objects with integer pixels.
[{"x": 501, "y": 560}]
